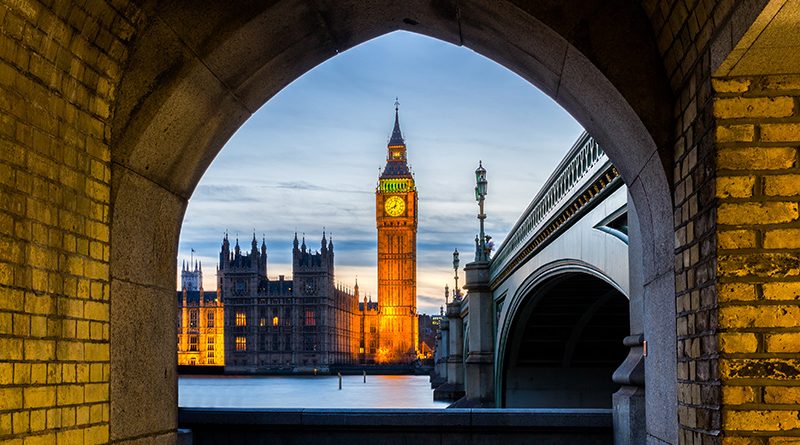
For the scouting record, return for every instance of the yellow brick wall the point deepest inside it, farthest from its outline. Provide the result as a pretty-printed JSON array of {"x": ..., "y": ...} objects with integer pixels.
[
  {"x": 758, "y": 261},
  {"x": 58, "y": 71}
]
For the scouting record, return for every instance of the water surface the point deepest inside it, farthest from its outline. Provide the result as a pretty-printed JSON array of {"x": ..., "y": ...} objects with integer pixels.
[{"x": 380, "y": 391}]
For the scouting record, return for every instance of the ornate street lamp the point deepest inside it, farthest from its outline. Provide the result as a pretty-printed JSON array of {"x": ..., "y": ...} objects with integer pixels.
[
  {"x": 481, "y": 253},
  {"x": 456, "y": 292}
]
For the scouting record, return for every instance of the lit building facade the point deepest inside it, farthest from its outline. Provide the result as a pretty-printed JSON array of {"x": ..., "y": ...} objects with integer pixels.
[
  {"x": 201, "y": 321},
  {"x": 396, "y": 217}
]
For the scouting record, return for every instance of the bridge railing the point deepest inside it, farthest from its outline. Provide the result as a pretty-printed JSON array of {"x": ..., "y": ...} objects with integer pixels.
[{"x": 580, "y": 162}]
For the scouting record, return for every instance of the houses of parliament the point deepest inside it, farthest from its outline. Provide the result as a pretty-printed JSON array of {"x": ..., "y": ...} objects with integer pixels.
[{"x": 253, "y": 323}]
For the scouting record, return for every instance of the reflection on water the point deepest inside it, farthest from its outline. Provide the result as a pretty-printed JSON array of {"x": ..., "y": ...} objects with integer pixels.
[{"x": 380, "y": 391}]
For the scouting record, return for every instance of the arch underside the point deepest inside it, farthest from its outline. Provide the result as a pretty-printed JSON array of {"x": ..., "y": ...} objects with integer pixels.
[
  {"x": 198, "y": 71},
  {"x": 565, "y": 343}
]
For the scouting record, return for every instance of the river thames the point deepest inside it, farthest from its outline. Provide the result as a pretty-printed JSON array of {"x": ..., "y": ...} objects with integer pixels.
[{"x": 380, "y": 391}]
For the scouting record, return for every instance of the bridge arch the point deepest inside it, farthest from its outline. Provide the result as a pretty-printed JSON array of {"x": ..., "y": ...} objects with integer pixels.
[{"x": 561, "y": 339}]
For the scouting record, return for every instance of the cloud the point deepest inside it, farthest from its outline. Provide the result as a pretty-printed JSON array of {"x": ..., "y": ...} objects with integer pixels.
[{"x": 309, "y": 159}]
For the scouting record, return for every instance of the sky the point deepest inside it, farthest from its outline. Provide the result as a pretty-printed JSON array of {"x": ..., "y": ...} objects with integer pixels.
[{"x": 309, "y": 160}]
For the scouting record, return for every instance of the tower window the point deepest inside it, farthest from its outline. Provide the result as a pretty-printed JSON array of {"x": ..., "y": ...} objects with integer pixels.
[
  {"x": 241, "y": 343},
  {"x": 210, "y": 319},
  {"x": 193, "y": 318},
  {"x": 311, "y": 319},
  {"x": 241, "y": 318},
  {"x": 193, "y": 343}
]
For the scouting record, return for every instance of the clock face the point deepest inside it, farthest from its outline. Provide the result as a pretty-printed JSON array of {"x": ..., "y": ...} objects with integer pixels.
[{"x": 395, "y": 206}]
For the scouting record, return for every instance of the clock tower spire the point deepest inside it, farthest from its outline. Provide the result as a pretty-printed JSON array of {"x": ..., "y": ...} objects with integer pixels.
[{"x": 396, "y": 218}]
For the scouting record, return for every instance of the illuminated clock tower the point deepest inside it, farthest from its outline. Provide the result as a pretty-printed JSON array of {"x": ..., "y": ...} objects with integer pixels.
[{"x": 396, "y": 216}]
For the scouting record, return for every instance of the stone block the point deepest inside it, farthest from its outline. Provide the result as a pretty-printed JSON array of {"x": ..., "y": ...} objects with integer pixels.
[
  {"x": 736, "y": 292},
  {"x": 783, "y": 342},
  {"x": 782, "y": 291},
  {"x": 764, "y": 158},
  {"x": 782, "y": 185},
  {"x": 753, "y": 107},
  {"x": 780, "y": 132},
  {"x": 782, "y": 394},
  {"x": 737, "y": 395},
  {"x": 741, "y": 316},
  {"x": 752, "y": 213},
  {"x": 782, "y": 239},
  {"x": 730, "y": 85},
  {"x": 735, "y": 186},
  {"x": 758, "y": 420},
  {"x": 735, "y": 133},
  {"x": 736, "y": 342},
  {"x": 736, "y": 239}
]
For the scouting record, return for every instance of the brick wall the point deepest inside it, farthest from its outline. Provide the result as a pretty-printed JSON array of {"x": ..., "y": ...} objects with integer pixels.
[
  {"x": 758, "y": 262},
  {"x": 58, "y": 69}
]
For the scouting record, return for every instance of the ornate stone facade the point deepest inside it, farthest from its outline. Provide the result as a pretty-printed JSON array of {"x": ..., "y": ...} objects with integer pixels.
[
  {"x": 396, "y": 216},
  {"x": 200, "y": 321},
  {"x": 303, "y": 323}
]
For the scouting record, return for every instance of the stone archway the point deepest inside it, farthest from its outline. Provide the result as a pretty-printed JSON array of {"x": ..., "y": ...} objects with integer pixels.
[{"x": 196, "y": 74}]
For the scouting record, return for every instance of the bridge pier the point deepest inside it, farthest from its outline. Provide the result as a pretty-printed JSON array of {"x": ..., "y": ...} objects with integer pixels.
[
  {"x": 479, "y": 363},
  {"x": 454, "y": 388},
  {"x": 629, "y": 405},
  {"x": 439, "y": 374}
]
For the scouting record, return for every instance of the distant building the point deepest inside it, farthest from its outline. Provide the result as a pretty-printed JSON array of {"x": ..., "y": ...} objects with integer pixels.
[
  {"x": 427, "y": 334},
  {"x": 201, "y": 321},
  {"x": 307, "y": 322},
  {"x": 297, "y": 324}
]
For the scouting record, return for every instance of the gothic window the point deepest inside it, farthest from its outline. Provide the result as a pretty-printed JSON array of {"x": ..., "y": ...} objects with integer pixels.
[
  {"x": 311, "y": 318},
  {"x": 262, "y": 317},
  {"x": 210, "y": 344},
  {"x": 210, "y": 319},
  {"x": 193, "y": 343},
  {"x": 193, "y": 318},
  {"x": 275, "y": 321},
  {"x": 241, "y": 318},
  {"x": 241, "y": 343}
]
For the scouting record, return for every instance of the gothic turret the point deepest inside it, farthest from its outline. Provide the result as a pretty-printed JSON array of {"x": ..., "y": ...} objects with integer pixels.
[
  {"x": 396, "y": 162},
  {"x": 225, "y": 252}
]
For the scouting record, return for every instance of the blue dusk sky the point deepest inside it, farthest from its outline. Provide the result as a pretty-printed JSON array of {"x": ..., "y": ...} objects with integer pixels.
[{"x": 310, "y": 158}]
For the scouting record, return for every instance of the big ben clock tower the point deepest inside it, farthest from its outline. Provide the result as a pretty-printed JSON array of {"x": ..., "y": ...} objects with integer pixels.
[{"x": 396, "y": 216}]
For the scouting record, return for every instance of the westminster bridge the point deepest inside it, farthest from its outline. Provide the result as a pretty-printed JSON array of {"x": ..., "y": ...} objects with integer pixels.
[{"x": 554, "y": 319}]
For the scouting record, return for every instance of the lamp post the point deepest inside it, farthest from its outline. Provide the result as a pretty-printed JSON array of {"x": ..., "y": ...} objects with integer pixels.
[
  {"x": 481, "y": 253},
  {"x": 456, "y": 291}
]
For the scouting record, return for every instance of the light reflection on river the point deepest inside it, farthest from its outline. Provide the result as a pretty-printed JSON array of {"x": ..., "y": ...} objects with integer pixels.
[{"x": 380, "y": 391}]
